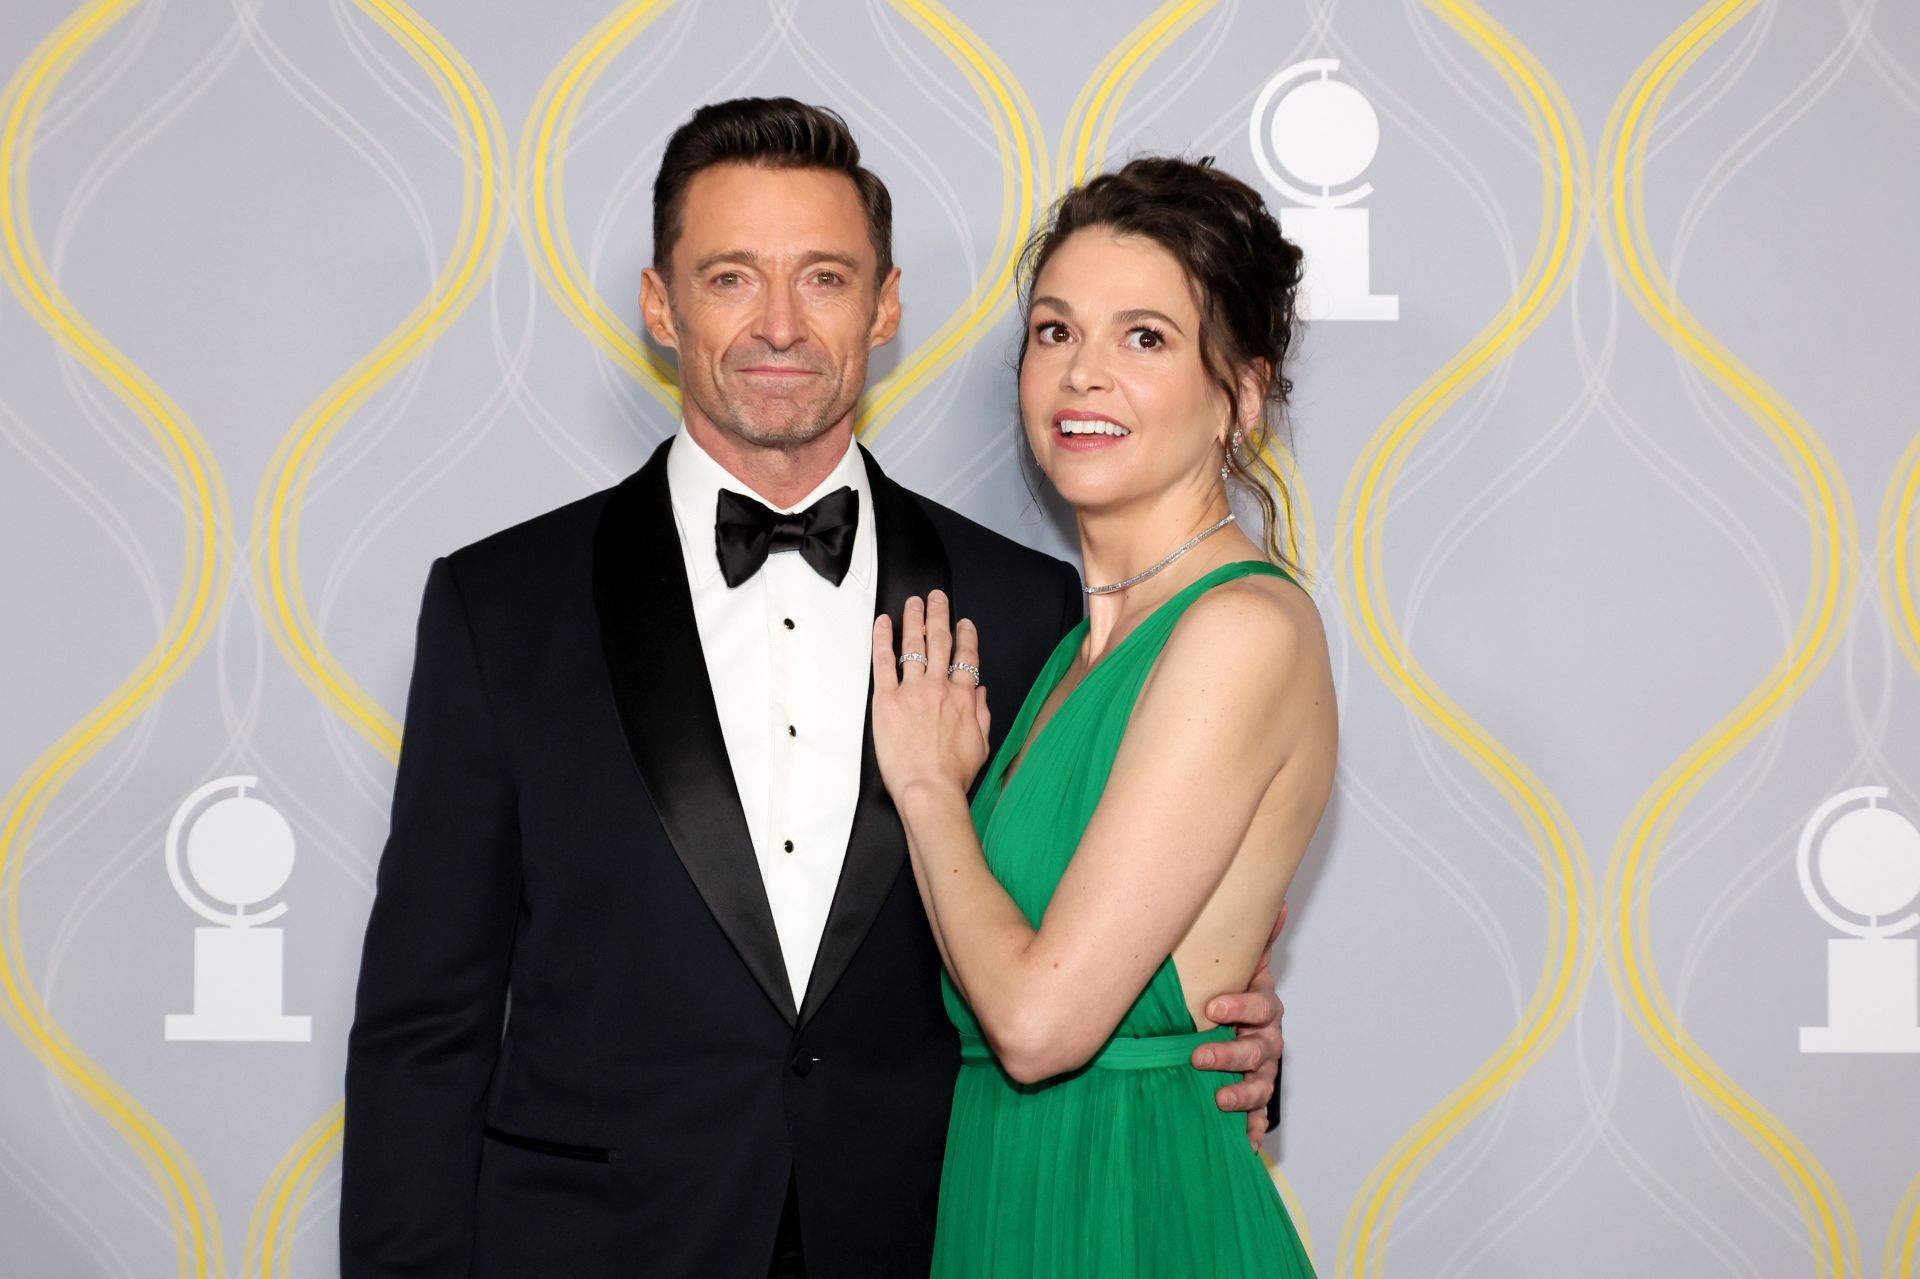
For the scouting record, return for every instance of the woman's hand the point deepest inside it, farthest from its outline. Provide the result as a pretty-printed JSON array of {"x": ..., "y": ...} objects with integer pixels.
[{"x": 929, "y": 726}]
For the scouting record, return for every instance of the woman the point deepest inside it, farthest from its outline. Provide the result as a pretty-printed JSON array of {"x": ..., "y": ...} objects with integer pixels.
[{"x": 1134, "y": 838}]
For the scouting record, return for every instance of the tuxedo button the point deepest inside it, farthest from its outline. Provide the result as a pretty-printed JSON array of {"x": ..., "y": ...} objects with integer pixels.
[{"x": 802, "y": 1063}]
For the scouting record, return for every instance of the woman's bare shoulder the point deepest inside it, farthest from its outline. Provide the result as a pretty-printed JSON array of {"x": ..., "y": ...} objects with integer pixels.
[{"x": 1265, "y": 626}]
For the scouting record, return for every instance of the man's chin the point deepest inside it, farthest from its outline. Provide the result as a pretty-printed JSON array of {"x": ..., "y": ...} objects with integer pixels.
[{"x": 775, "y": 431}]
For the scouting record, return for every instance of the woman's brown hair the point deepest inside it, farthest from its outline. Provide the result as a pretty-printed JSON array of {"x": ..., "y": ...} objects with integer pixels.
[{"x": 1245, "y": 276}]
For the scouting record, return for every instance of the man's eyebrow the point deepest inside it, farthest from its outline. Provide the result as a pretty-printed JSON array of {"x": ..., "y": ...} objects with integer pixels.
[
  {"x": 830, "y": 255},
  {"x": 748, "y": 257}
]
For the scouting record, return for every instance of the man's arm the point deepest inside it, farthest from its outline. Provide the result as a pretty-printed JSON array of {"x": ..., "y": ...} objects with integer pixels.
[{"x": 433, "y": 970}]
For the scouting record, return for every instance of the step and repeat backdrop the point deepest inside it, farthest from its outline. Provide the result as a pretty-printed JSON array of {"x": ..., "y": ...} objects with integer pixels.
[{"x": 1603, "y": 462}]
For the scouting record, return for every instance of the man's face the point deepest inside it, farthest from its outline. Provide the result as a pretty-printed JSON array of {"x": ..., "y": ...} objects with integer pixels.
[{"x": 772, "y": 302}]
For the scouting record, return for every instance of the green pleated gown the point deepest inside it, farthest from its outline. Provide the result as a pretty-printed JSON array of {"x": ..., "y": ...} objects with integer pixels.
[{"x": 1126, "y": 1167}]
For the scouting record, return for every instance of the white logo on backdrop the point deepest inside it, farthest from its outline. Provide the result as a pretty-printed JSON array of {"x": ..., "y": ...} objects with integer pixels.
[
  {"x": 1324, "y": 132},
  {"x": 239, "y": 851},
  {"x": 1868, "y": 864}
]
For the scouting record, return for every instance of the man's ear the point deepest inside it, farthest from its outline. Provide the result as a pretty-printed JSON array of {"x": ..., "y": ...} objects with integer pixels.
[
  {"x": 886, "y": 315},
  {"x": 656, "y": 308}
]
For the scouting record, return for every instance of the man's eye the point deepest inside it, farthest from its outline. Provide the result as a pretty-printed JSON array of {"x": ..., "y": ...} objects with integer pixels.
[
  {"x": 727, "y": 279},
  {"x": 827, "y": 277}
]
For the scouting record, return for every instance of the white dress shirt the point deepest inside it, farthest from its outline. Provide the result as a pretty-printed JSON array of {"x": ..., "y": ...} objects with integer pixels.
[{"x": 788, "y": 655}]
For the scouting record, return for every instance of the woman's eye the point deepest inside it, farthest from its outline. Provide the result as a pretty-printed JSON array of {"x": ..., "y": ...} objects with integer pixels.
[
  {"x": 1145, "y": 339},
  {"x": 1050, "y": 332}
]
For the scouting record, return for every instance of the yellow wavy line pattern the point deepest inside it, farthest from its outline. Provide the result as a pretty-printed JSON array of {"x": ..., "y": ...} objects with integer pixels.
[
  {"x": 1569, "y": 952},
  {"x": 541, "y": 197},
  {"x": 1023, "y": 165},
  {"x": 1293, "y": 1206},
  {"x": 1903, "y": 1240},
  {"x": 1294, "y": 508},
  {"x": 198, "y": 1248},
  {"x": 269, "y": 1240},
  {"x": 477, "y": 242},
  {"x": 1895, "y": 540},
  {"x": 1083, "y": 146},
  {"x": 1899, "y": 574},
  {"x": 1833, "y": 555}
]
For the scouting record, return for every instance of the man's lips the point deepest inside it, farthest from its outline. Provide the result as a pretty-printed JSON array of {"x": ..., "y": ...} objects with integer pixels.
[{"x": 778, "y": 370}]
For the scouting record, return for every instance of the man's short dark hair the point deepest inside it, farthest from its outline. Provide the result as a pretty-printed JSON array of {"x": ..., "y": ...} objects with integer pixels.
[{"x": 769, "y": 133}]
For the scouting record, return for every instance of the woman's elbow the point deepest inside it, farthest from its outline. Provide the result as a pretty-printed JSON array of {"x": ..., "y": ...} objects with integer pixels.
[{"x": 1035, "y": 1047}]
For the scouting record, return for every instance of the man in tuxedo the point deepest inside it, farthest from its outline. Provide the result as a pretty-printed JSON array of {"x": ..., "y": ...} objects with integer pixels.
[{"x": 647, "y": 988}]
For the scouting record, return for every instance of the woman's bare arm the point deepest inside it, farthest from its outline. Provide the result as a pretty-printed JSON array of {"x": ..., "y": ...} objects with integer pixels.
[{"x": 1208, "y": 735}]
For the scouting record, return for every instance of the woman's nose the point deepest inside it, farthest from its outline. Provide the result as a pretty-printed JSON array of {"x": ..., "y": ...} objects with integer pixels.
[{"x": 1084, "y": 371}]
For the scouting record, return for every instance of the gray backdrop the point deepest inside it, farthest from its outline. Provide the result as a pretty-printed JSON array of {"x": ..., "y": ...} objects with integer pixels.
[{"x": 1612, "y": 528}]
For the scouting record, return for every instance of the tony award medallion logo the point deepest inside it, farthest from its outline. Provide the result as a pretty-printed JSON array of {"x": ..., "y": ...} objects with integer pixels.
[
  {"x": 238, "y": 852},
  {"x": 1324, "y": 133},
  {"x": 1868, "y": 864}
]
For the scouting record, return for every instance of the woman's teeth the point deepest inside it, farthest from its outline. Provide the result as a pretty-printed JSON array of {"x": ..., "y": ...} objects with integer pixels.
[{"x": 1088, "y": 426}]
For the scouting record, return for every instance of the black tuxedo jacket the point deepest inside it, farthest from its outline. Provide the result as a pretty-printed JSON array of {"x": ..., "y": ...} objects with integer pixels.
[{"x": 574, "y": 1050}]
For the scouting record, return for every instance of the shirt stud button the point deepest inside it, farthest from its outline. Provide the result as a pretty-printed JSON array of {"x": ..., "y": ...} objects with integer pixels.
[
  {"x": 787, "y": 622},
  {"x": 791, "y": 731},
  {"x": 789, "y": 845}
]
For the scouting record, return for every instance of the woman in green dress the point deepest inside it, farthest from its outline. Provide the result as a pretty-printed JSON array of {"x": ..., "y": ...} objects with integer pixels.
[{"x": 1131, "y": 843}]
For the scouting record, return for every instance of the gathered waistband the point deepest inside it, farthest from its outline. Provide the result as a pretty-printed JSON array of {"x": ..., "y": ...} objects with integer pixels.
[{"x": 1122, "y": 1052}]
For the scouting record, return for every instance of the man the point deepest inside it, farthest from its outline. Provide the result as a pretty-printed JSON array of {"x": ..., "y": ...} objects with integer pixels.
[{"x": 638, "y": 793}]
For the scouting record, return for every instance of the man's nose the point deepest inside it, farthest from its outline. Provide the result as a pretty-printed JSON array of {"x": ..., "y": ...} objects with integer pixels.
[{"x": 779, "y": 325}]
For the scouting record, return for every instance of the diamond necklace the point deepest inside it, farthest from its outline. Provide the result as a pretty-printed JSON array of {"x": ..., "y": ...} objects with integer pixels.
[{"x": 1178, "y": 551}]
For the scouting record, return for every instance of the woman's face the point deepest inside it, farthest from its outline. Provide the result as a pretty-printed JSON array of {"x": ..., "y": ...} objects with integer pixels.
[{"x": 1115, "y": 398}]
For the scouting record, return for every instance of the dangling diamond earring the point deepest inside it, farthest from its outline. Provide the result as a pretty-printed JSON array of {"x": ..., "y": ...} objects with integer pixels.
[{"x": 1226, "y": 472}]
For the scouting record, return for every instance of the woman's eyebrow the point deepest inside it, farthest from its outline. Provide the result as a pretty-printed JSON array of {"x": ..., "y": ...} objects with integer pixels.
[
  {"x": 1132, "y": 315},
  {"x": 1144, "y": 313}
]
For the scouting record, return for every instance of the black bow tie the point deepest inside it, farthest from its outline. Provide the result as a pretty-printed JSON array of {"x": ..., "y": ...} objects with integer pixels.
[{"x": 745, "y": 532}]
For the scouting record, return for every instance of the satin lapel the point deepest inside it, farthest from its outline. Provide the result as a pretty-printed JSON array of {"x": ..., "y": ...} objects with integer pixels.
[
  {"x": 913, "y": 561},
  {"x": 659, "y": 676}
]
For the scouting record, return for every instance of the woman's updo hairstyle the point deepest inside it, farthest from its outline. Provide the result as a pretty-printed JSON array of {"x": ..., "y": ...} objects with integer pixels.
[{"x": 1244, "y": 275}]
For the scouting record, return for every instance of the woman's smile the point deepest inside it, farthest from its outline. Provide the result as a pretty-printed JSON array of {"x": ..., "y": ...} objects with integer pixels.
[{"x": 1082, "y": 430}]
